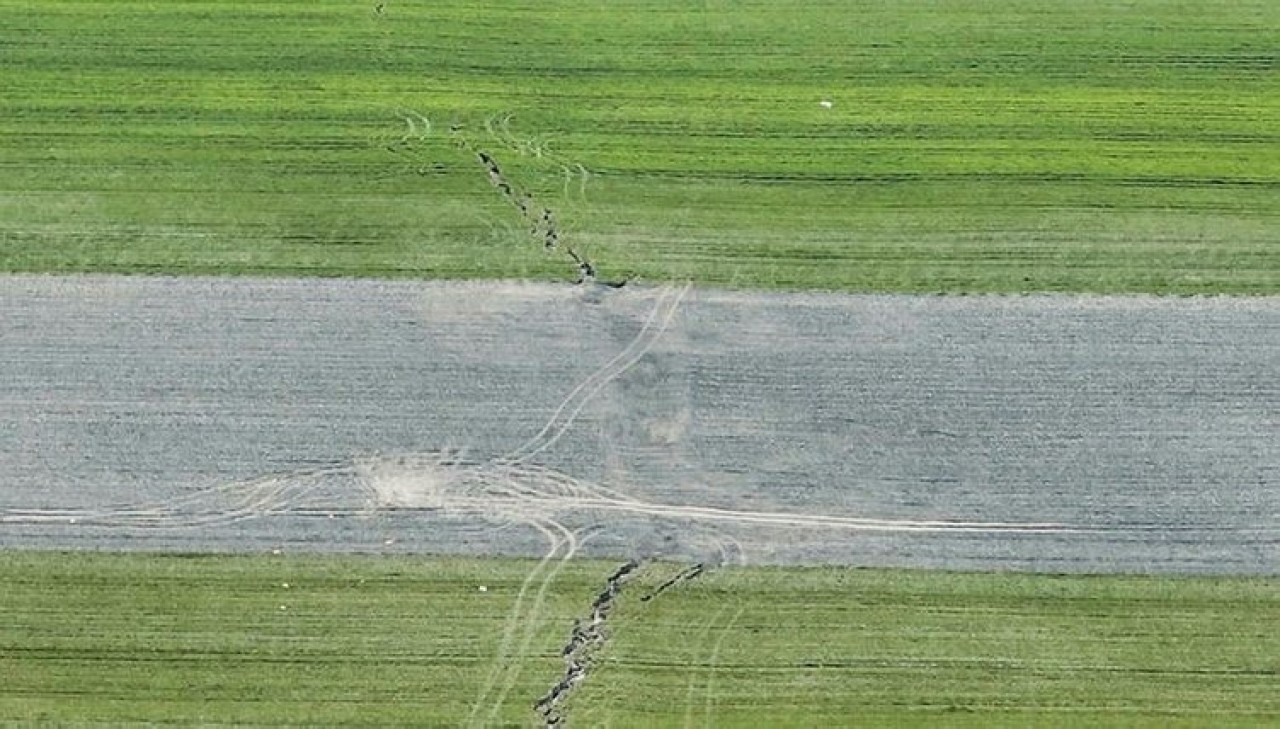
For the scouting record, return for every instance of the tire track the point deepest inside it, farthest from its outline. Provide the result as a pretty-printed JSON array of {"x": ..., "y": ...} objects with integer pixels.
[
  {"x": 691, "y": 684},
  {"x": 655, "y": 325},
  {"x": 521, "y": 625},
  {"x": 709, "y": 701},
  {"x": 505, "y": 491}
]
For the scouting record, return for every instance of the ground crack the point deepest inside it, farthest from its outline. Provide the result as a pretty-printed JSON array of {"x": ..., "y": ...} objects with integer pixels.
[
  {"x": 683, "y": 576},
  {"x": 585, "y": 640},
  {"x": 541, "y": 221}
]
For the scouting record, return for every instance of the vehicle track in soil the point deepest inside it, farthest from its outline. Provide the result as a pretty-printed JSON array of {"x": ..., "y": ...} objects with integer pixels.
[{"x": 1134, "y": 434}]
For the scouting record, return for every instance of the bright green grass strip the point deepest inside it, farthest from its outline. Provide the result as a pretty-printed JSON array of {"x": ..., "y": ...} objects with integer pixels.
[
  {"x": 132, "y": 638},
  {"x": 970, "y": 145}
]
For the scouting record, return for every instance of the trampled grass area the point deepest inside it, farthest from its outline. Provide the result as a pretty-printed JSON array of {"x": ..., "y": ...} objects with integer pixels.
[
  {"x": 105, "y": 638},
  {"x": 968, "y": 146}
]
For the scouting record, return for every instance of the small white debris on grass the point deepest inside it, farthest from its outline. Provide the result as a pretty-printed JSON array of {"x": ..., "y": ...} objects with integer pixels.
[
  {"x": 282, "y": 607},
  {"x": 275, "y": 551},
  {"x": 483, "y": 588},
  {"x": 389, "y": 542},
  {"x": 285, "y": 585},
  {"x": 826, "y": 104}
]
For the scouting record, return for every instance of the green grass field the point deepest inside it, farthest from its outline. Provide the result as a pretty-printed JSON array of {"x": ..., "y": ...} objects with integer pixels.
[
  {"x": 361, "y": 640},
  {"x": 969, "y": 146},
  {"x": 109, "y": 638}
]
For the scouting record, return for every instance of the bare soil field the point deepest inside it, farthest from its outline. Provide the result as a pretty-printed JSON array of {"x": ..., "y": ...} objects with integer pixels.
[{"x": 1045, "y": 433}]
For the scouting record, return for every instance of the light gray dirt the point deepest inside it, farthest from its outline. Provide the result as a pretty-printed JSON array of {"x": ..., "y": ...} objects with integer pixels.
[{"x": 1047, "y": 433}]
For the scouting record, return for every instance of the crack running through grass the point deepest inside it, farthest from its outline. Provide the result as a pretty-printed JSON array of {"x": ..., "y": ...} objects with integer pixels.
[
  {"x": 684, "y": 575},
  {"x": 585, "y": 641},
  {"x": 542, "y": 222}
]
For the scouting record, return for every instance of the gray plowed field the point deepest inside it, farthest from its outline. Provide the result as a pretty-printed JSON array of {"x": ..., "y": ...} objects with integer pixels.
[{"x": 1041, "y": 433}]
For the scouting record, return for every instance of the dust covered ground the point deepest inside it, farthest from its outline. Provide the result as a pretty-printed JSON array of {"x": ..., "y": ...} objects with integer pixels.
[{"x": 1048, "y": 433}]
